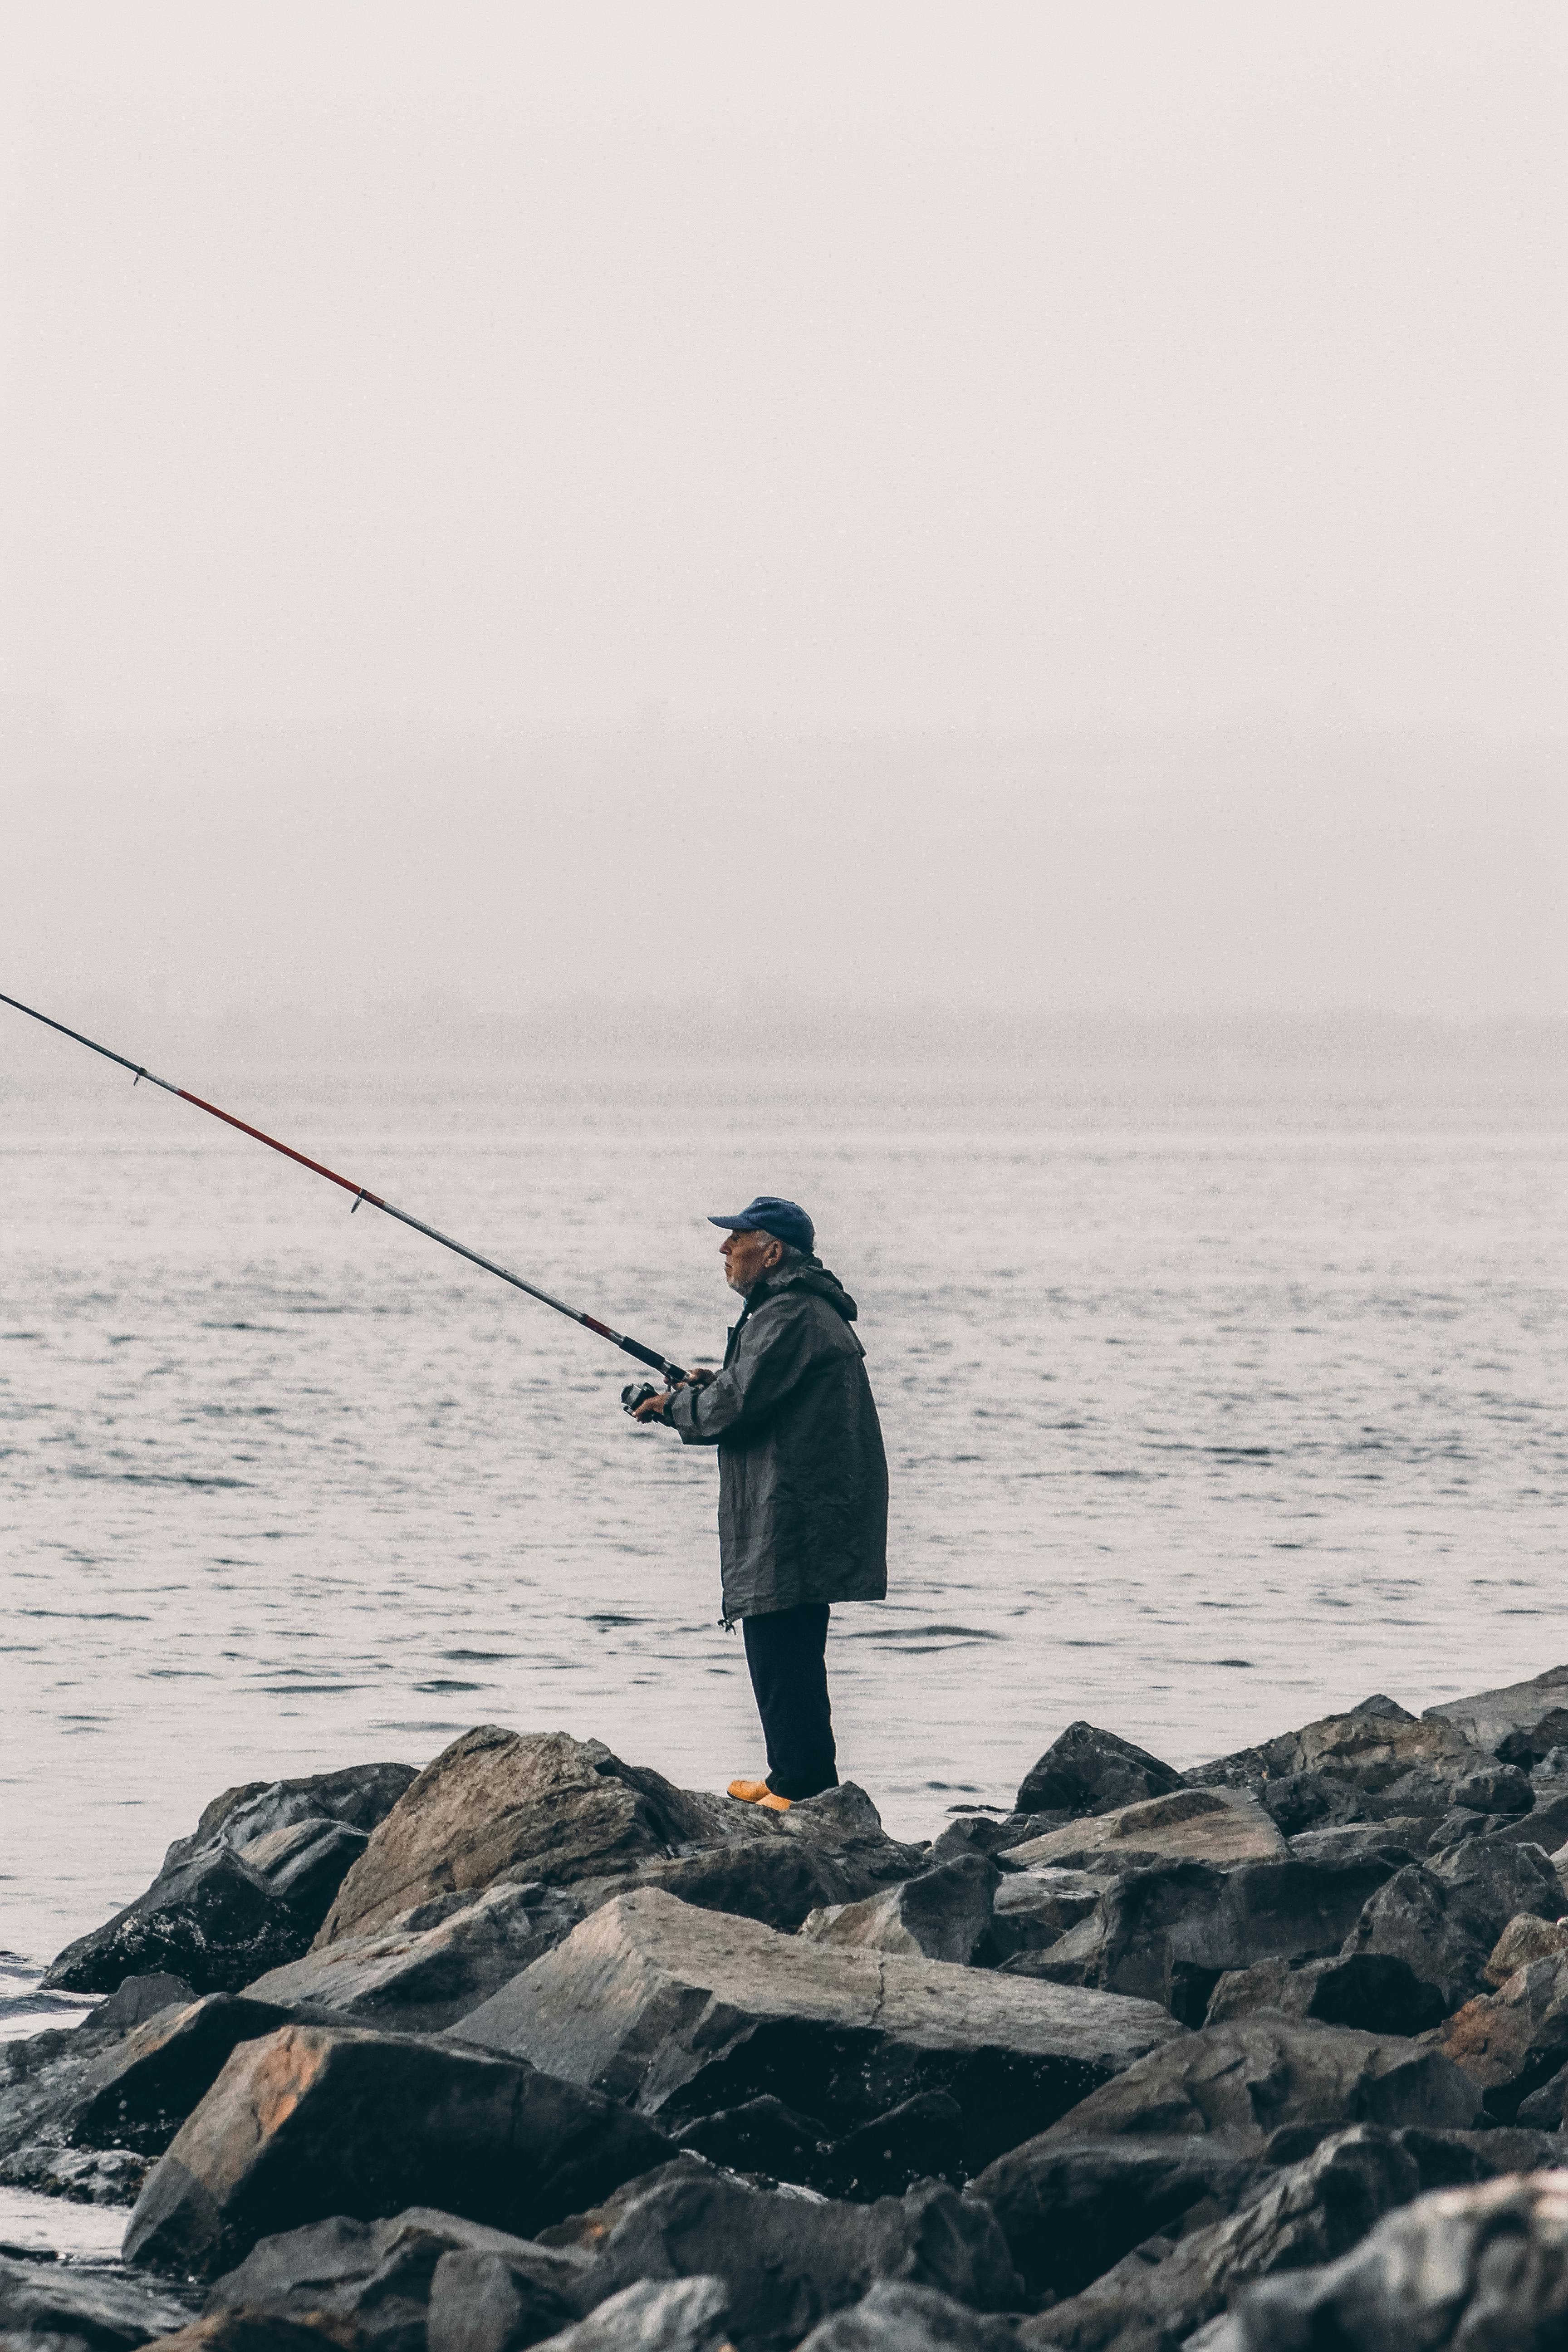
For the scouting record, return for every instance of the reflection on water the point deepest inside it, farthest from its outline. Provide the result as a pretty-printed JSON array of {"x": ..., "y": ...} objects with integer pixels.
[{"x": 1206, "y": 1409}]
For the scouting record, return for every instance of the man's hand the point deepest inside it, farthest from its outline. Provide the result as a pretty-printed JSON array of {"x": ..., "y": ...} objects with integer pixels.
[{"x": 654, "y": 1408}]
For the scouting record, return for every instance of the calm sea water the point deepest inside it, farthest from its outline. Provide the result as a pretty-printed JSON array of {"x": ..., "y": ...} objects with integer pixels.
[{"x": 1211, "y": 1402}]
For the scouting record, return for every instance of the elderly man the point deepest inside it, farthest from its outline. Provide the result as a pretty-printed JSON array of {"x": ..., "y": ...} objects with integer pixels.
[{"x": 803, "y": 1482}]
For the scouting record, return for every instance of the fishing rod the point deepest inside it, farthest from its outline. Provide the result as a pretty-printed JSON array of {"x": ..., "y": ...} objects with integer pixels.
[{"x": 673, "y": 1373}]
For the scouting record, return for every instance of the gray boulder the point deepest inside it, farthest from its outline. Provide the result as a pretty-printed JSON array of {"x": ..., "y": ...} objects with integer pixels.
[
  {"x": 1402, "y": 1840},
  {"x": 1069, "y": 2208},
  {"x": 683, "y": 2316},
  {"x": 315, "y": 2121},
  {"x": 1266, "y": 2079},
  {"x": 137, "y": 2093},
  {"x": 375, "y": 2279},
  {"x": 1495, "y": 1789},
  {"x": 787, "y": 2262},
  {"x": 1513, "y": 2041},
  {"x": 246, "y": 1891},
  {"x": 1087, "y": 1771},
  {"x": 1032, "y": 1910},
  {"x": 684, "y": 2012},
  {"x": 939, "y": 1914},
  {"x": 1533, "y": 1713},
  {"x": 1444, "y": 1918},
  {"x": 62, "y": 2304},
  {"x": 1310, "y": 2213},
  {"x": 427, "y": 1972},
  {"x": 1169, "y": 1933},
  {"x": 1483, "y": 2267},
  {"x": 1397, "y": 1764},
  {"x": 1372, "y": 1992},
  {"x": 900, "y": 2318},
  {"x": 1306, "y": 1800}
]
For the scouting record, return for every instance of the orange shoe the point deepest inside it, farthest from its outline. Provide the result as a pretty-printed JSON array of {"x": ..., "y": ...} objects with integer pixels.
[{"x": 757, "y": 1793}]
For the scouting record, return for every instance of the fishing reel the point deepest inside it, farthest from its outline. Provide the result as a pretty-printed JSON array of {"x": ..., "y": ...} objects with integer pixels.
[{"x": 637, "y": 1392}]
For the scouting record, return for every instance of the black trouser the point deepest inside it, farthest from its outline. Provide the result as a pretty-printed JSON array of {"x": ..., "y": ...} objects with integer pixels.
[{"x": 788, "y": 1653}]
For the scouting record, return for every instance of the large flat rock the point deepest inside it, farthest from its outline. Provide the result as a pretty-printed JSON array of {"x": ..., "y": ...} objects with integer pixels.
[
  {"x": 1182, "y": 1825},
  {"x": 1537, "y": 1709},
  {"x": 314, "y": 2121},
  {"x": 683, "y": 2012}
]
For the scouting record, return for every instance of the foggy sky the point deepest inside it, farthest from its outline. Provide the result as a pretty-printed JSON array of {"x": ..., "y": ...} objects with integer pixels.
[{"x": 525, "y": 369}]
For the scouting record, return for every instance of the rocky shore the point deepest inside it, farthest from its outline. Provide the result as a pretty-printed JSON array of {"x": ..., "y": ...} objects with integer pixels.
[{"x": 534, "y": 2048}]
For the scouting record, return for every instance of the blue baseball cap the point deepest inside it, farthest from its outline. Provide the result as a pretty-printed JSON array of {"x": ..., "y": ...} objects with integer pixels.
[{"x": 785, "y": 1220}]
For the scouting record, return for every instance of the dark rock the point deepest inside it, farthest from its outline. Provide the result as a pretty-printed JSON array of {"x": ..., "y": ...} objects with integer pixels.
[
  {"x": 787, "y": 2262},
  {"x": 138, "y": 1999},
  {"x": 1310, "y": 2213},
  {"x": 491, "y": 2303},
  {"x": 900, "y": 2318},
  {"x": 845, "y": 1826},
  {"x": 1033, "y": 1908},
  {"x": 1379, "y": 1748},
  {"x": 1400, "y": 1841},
  {"x": 210, "y": 1921},
  {"x": 1495, "y": 1789},
  {"x": 1456, "y": 1827},
  {"x": 1305, "y": 1800},
  {"x": 1510, "y": 2043},
  {"x": 687, "y": 2013},
  {"x": 1455, "y": 2159},
  {"x": 1373, "y": 1992},
  {"x": 242, "y": 2331},
  {"x": 1087, "y": 1771},
  {"x": 779, "y": 1880},
  {"x": 944, "y": 1914},
  {"x": 1532, "y": 1715},
  {"x": 1444, "y": 1919},
  {"x": 421, "y": 1978},
  {"x": 763, "y": 2135},
  {"x": 922, "y": 2139},
  {"x": 374, "y": 2278},
  {"x": 246, "y": 1892},
  {"x": 1483, "y": 2267},
  {"x": 1254, "y": 2077},
  {"x": 138, "y": 2095},
  {"x": 1070, "y": 2208},
  {"x": 1168, "y": 1933},
  {"x": 316, "y": 2120},
  {"x": 977, "y": 1833},
  {"x": 61, "y": 2303},
  {"x": 682, "y": 2315},
  {"x": 1542, "y": 2110}
]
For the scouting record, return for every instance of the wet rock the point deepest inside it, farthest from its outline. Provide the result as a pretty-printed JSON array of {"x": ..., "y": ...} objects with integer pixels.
[
  {"x": 1168, "y": 1933},
  {"x": 1373, "y": 1992},
  {"x": 940, "y": 1915},
  {"x": 1070, "y": 2208},
  {"x": 420, "y": 1977},
  {"x": 1446, "y": 1918},
  {"x": 1378, "y": 1748},
  {"x": 373, "y": 2280},
  {"x": 211, "y": 1920},
  {"x": 1495, "y": 1789},
  {"x": 1255, "y": 2078},
  {"x": 899, "y": 2318},
  {"x": 1087, "y": 1770},
  {"x": 1525, "y": 1938},
  {"x": 138, "y": 2095},
  {"x": 686, "y": 2013},
  {"x": 1484, "y": 2266},
  {"x": 64, "y": 2303},
  {"x": 683, "y": 2316},
  {"x": 1530, "y": 1716},
  {"x": 1510, "y": 2043},
  {"x": 1305, "y": 1800},
  {"x": 1188, "y": 1823},
  {"x": 317, "y": 2120},
  {"x": 1310, "y": 2213},
  {"x": 246, "y": 1891},
  {"x": 788, "y": 2262}
]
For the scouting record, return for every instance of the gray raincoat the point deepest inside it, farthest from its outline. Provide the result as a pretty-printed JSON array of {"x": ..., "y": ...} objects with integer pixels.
[{"x": 803, "y": 1479}]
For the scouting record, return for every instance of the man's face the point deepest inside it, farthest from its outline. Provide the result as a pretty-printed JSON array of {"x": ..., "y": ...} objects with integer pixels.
[{"x": 747, "y": 1257}]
